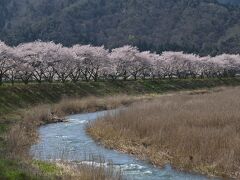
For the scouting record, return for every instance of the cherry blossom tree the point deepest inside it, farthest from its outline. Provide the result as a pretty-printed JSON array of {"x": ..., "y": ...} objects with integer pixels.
[
  {"x": 100, "y": 61},
  {"x": 63, "y": 64},
  {"x": 125, "y": 58},
  {"x": 146, "y": 64},
  {"x": 167, "y": 61},
  {"x": 47, "y": 61},
  {"x": 24, "y": 57},
  {"x": 50, "y": 57},
  {"x": 6, "y": 62},
  {"x": 92, "y": 60},
  {"x": 29, "y": 57},
  {"x": 227, "y": 65}
]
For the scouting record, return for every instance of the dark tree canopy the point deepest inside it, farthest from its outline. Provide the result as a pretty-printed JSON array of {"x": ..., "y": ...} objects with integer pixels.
[{"x": 199, "y": 26}]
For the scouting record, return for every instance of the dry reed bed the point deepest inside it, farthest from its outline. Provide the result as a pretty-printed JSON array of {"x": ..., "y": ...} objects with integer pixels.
[
  {"x": 197, "y": 132},
  {"x": 24, "y": 133},
  {"x": 88, "y": 172}
]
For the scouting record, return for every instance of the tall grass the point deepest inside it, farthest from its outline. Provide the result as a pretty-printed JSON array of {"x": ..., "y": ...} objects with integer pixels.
[
  {"x": 89, "y": 170},
  {"x": 24, "y": 133},
  {"x": 193, "y": 131},
  {"x": 92, "y": 104}
]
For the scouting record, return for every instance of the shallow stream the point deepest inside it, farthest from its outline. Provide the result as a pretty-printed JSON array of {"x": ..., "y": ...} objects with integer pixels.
[{"x": 69, "y": 141}]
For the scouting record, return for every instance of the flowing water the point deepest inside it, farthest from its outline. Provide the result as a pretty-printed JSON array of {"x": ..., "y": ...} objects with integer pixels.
[{"x": 70, "y": 142}]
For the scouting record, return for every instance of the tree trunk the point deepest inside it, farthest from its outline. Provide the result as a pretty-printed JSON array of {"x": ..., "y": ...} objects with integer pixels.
[
  {"x": 135, "y": 77},
  {"x": 12, "y": 81},
  {"x": 1, "y": 80}
]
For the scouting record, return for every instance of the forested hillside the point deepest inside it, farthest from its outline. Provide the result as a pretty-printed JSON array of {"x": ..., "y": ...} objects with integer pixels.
[
  {"x": 229, "y": 1},
  {"x": 199, "y": 26}
]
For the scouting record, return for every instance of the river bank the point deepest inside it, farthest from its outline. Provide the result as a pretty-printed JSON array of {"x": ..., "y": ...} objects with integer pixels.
[
  {"x": 70, "y": 141},
  {"x": 18, "y": 125},
  {"x": 24, "y": 96},
  {"x": 20, "y": 137},
  {"x": 195, "y": 132}
]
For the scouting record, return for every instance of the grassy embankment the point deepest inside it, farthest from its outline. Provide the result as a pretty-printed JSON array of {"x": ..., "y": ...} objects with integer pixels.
[
  {"x": 194, "y": 132},
  {"x": 18, "y": 126}
]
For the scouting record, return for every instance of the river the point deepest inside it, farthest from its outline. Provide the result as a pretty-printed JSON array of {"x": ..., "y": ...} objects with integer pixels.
[{"x": 70, "y": 142}]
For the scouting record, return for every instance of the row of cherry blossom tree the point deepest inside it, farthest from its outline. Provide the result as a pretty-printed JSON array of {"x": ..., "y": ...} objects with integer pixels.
[{"x": 47, "y": 61}]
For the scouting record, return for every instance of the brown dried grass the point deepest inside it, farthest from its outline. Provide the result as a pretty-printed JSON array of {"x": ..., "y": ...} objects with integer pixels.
[
  {"x": 92, "y": 104},
  {"x": 193, "y": 131},
  {"x": 24, "y": 133}
]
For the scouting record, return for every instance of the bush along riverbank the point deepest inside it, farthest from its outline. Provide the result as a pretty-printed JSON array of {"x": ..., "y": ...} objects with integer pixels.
[
  {"x": 196, "y": 131},
  {"x": 47, "y": 102}
]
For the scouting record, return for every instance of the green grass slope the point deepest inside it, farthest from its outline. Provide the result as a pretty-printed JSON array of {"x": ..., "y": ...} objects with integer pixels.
[{"x": 22, "y": 96}]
